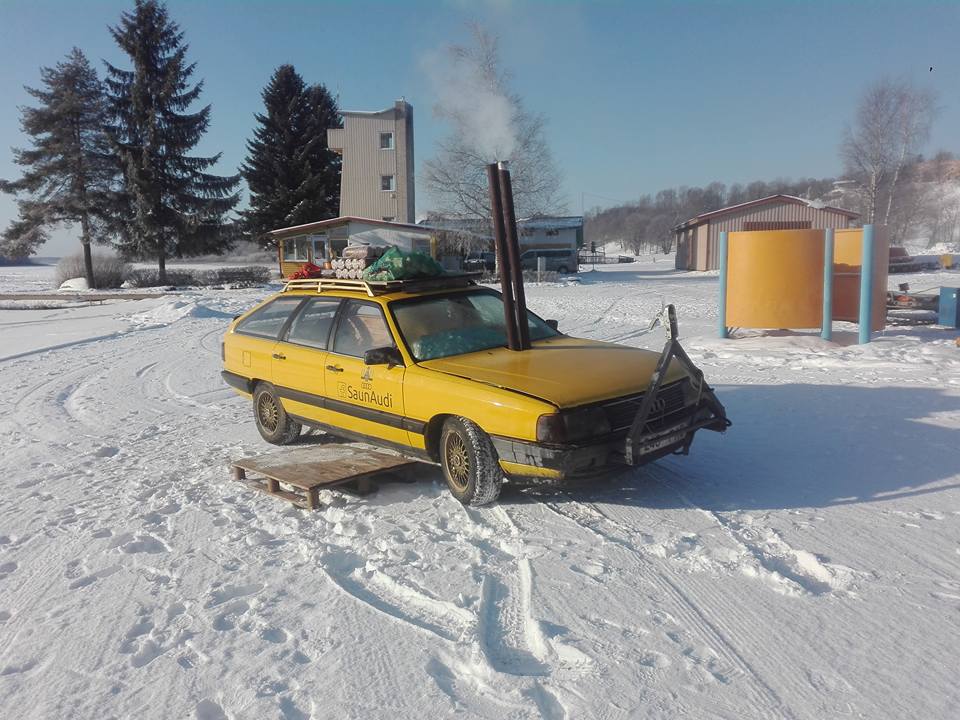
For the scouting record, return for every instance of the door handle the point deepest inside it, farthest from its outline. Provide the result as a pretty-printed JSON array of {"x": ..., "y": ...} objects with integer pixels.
[
  {"x": 279, "y": 356},
  {"x": 335, "y": 368}
]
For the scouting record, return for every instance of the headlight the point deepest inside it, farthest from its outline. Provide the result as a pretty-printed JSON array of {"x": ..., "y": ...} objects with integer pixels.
[{"x": 572, "y": 425}]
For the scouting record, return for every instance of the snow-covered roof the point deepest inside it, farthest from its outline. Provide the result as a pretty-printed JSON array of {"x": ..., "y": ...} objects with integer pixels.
[
  {"x": 778, "y": 198},
  {"x": 344, "y": 220},
  {"x": 546, "y": 222},
  {"x": 552, "y": 222}
]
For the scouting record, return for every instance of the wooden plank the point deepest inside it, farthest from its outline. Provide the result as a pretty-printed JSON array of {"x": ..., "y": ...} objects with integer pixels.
[
  {"x": 307, "y": 469},
  {"x": 258, "y": 485}
]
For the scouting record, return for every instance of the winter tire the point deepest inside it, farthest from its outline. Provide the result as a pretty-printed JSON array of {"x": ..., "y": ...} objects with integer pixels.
[
  {"x": 469, "y": 462},
  {"x": 274, "y": 424}
]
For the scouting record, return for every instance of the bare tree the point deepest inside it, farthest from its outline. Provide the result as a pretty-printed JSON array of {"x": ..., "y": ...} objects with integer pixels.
[
  {"x": 941, "y": 211},
  {"x": 892, "y": 122},
  {"x": 660, "y": 231},
  {"x": 916, "y": 108},
  {"x": 908, "y": 200},
  {"x": 489, "y": 123}
]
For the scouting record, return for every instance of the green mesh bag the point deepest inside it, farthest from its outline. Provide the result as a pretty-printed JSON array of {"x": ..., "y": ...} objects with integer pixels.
[{"x": 396, "y": 264}]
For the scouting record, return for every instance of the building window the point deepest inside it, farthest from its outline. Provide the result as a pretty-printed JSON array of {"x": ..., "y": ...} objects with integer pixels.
[
  {"x": 553, "y": 233},
  {"x": 386, "y": 183},
  {"x": 389, "y": 218},
  {"x": 386, "y": 141},
  {"x": 319, "y": 248},
  {"x": 296, "y": 249}
]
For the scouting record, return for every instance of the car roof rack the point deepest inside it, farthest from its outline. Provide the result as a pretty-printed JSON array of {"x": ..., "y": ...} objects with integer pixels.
[{"x": 382, "y": 287}]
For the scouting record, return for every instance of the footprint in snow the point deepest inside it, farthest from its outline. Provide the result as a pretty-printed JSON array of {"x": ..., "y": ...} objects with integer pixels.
[
  {"x": 274, "y": 635},
  {"x": 220, "y": 595},
  {"x": 209, "y": 710},
  {"x": 230, "y": 615},
  {"x": 145, "y": 544}
]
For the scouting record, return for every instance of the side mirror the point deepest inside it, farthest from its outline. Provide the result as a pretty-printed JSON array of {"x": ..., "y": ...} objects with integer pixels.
[
  {"x": 383, "y": 356},
  {"x": 553, "y": 324}
]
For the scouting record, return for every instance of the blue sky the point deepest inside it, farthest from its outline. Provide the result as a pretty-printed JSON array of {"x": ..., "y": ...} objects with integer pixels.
[{"x": 639, "y": 95}]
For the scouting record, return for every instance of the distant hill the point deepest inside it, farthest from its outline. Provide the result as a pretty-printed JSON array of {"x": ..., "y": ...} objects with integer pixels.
[{"x": 648, "y": 223}]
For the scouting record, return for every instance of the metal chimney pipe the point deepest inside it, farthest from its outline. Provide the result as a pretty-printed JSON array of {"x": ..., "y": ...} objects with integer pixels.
[
  {"x": 513, "y": 252},
  {"x": 503, "y": 261}
]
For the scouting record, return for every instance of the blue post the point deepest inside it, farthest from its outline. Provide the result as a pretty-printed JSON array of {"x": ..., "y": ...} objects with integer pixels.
[
  {"x": 722, "y": 309},
  {"x": 826, "y": 331},
  {"x": 866, "y": 285}
]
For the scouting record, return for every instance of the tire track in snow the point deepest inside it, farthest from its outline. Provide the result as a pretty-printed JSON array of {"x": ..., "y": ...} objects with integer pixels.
[
  {"x": 510, "y": 637},
  {"x": 512, "y": 640},
  {"x": 396, "y": 599},
  {"x": 800, "y": 568},
  {"x": 657, "y": 573}
]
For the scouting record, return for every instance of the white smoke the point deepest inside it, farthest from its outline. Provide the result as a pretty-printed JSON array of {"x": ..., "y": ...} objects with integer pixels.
[{"x": 470, "y": 95}]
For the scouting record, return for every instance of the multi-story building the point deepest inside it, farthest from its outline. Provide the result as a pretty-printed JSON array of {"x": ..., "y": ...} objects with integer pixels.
[{"x": 376, "y": 179}]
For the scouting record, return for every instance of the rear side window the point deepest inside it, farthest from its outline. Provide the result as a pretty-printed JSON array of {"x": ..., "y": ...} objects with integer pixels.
[
  {"x": 362, "y": 327},
  {"x": 268, "y": 321},
  {"x": 311, "y": 326}
]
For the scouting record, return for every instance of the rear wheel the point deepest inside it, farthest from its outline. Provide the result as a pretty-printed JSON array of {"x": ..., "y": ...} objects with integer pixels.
[
  {"x": 469, "y": 462},
  {"x": 274, "y": 424},
  {"x": 562, "y": 270}
]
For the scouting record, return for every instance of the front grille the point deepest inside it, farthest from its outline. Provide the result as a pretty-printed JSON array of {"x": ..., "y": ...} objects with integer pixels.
[{"x": 667, "y": 408}]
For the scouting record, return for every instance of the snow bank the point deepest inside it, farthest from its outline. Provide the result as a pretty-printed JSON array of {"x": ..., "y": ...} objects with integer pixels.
[
  {"x": 171, "y": 311},
  {"x": 74, "y": 284}
]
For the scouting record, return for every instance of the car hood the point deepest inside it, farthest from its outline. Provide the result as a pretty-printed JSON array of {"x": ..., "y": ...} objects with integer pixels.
[{"x": 564, "y": 371}]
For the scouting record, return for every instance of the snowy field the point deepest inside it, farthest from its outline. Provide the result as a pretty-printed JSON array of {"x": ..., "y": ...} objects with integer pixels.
[{"x": 804, "y": 565}]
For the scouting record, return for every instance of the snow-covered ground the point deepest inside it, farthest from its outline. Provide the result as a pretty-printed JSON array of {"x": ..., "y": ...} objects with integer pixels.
[{"x": 804, "y": 565}]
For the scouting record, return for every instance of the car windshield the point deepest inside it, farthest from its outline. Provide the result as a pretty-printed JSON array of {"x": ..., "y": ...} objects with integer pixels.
[{"x": 438, "y": 327}]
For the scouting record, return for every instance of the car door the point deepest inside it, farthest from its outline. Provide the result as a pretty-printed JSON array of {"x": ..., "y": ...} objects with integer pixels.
[
  {"x": 257, "y": 337},
  {"x": 366, "y": 399},
  {"x": 300, "y": 357}
]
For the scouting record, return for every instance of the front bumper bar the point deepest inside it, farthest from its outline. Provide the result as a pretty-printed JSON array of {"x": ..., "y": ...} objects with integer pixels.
[
  {"x": 709, "y": 413},
  {"x": 643, "y": 442}
]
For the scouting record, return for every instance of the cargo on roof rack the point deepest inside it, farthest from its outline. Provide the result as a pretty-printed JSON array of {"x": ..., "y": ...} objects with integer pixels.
[{"x": 381, "y": 287}]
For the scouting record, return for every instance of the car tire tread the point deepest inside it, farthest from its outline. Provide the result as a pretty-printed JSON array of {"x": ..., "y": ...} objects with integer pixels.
[
  {"x": 486, "y": 475},
  {"x": 288, "y": 430}
]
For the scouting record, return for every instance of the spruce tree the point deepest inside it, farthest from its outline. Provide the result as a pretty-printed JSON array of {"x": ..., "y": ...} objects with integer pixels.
[
  {"x": 170, "y": 205},
  {"x": 293, "y": 176},
  {"x": 68, "y": 170}
]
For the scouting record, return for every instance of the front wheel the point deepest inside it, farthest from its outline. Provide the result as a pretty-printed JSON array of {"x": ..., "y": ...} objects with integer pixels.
[
  {"x": 469, "y": 462},
  {"x": 274, "y": 424}
]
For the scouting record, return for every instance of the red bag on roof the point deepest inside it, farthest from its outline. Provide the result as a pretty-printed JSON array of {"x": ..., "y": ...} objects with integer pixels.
[{"x": 307, "y": 271}]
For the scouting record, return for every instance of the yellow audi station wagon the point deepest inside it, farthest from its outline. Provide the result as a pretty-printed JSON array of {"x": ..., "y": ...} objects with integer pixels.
[{"x": 423, "y": 367}]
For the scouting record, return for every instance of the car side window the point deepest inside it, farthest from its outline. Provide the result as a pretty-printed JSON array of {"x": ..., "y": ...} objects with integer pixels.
[
  {"x": 362, "y": 327},
  {"x": 268, "y": 321},
  {"x": 311, "y": 326}
]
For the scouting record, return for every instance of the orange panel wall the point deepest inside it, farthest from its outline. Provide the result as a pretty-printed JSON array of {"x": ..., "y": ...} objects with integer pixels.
[
  {"x": 775, "y": 279},
  {"x": 847, "y": 251}
]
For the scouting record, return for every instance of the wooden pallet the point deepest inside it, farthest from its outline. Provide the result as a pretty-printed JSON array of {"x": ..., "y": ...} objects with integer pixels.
[{"x": 297, "y": 475}]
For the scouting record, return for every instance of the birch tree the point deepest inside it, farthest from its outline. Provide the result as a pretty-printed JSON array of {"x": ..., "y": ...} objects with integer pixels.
[{"x": 892, "y": 123}]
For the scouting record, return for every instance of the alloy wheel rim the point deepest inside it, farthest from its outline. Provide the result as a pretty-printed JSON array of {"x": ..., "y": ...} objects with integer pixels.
[
  {"x": 268, "y": 413},
  {"x": 458, "y": 461}
]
